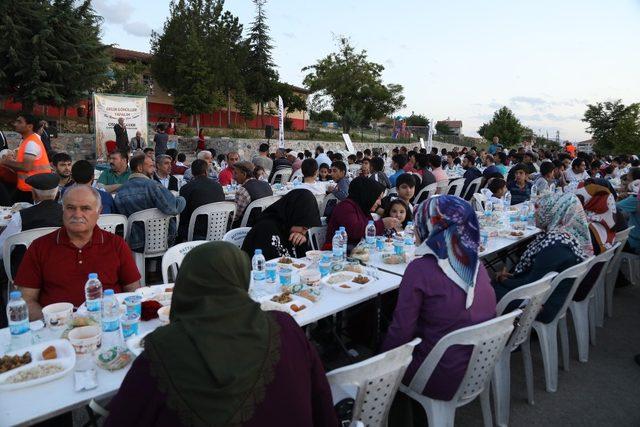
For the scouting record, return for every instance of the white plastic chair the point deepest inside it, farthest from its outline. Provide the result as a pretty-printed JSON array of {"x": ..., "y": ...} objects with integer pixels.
[
  {"x": 441, "y": 187},
  {"x": 425, "y": 193},
  {"x": 24, "y": 238},
  {"x": 317, "y": 237},
  {"x": 281, "y": 175},
  {"x": 156, "y": 236},
  {"x": 296, "y": 174},
  {"x": 377, "y": 380},
  {"x": 219, "y": 219},
  {"x": 477, "y": 201},
  {"x": 174, "y": 256},
  {"x": 612, "y": 275},
  {"x": 548, "y": 332},
  {"x": 472, "y": 188},
  {"x": 584, "y": 312},
  {"x": 488, "y": 340},
  {"x": 180, "y": 179},
  {"x": 455, "y": 187},
  {"x": 236, "y": 236},
  {"x": 260, "y": 204},
  {"x": 110, "y": 223},
  {"x": 532, "y": 295},
  {"x": 326, "y": 201},
  {"x": 354, "y": 169}
]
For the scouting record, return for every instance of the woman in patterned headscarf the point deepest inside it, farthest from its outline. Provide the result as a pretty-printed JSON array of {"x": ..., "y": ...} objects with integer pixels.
[
  {"x": 447, "y": 288},
  {"x": 564, "y": 242},
  {"x": 600, "y": 207}
]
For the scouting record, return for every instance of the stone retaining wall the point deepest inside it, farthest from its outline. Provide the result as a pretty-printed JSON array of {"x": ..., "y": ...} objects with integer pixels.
[{"x": 82, "y": 146}]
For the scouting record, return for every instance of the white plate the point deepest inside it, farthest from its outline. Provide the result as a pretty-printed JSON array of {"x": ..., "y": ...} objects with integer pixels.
[
  {"x": 267, "y": 304},
  {"x": 66, "y": 358},
  {"x": 133, "y": 343},
  {"x": 353, "y": 287}
]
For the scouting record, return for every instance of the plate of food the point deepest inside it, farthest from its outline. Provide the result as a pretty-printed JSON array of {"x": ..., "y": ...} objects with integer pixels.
[
  {"x": 135, "y": 344},
  {"x": 346, "y": 281},
  {"x": 36, "y": 364},
  {"x": 361, "y": 252},
  {"x": 286, "y": 302},
  {"x": 511, "y": 234},
  {"x": 393, "y": 259}
]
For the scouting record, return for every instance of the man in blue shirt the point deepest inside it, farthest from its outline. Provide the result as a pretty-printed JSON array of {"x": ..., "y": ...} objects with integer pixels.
[
  {"x": 398, "y": 163},
  {"x": 339, "y": 176},
  {"x": 495, "y": 145}
]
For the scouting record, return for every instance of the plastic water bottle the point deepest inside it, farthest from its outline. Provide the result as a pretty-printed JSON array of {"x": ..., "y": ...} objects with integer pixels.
[
  {"x": 370, "y": 234},
  {"x": 93, "y": 296},
  {"x": 337, "y": 246},
  {"x": 111, "y": 335},
  {"x": 507, "y": 201},
  {"x": 18, "y": 315},
  {"x": 296, "y": 182},
  {"x": 408, "y": 234},
  {"x": 258, "y": 268},
  {"x": 534, "y": 193},
  {"x": 324, "y": 266},
  {"x": 345, "y": 239}
]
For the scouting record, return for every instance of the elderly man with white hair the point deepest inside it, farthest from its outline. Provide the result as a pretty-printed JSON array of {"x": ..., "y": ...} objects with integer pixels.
[
  {"x": 7, "y": 154},
  {"x": 46, "y": 212},
  {"x": 56, "y": 266},
  {"x": 211, "y": 170}
]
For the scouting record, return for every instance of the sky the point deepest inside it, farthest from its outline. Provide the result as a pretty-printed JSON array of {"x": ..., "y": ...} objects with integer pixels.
[{"x": 457, "y": 59}]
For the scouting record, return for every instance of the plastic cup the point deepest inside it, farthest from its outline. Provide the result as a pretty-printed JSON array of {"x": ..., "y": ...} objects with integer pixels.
[
  {"x": 129, "y": 323},
  {"x": 271, "y": 269},
  {"x": 133, "y": 304}
]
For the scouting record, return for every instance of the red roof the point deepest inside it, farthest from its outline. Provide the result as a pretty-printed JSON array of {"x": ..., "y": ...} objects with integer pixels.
[
  {"x": 129, "y": 55},
  {"x": 453, "y": 124}
]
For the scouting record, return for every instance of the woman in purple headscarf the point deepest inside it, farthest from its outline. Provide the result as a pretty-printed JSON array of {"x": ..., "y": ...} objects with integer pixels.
[{"x": 445, "y": 289}]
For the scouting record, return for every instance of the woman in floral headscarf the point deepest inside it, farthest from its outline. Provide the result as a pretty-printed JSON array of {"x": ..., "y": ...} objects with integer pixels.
[
  {"x": 600, "y": 208},
  {"x": 564, "y": 242},
  {"x": 447, "y": 288}
]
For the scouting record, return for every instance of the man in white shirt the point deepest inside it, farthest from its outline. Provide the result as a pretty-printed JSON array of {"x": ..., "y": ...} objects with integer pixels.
[
  {"x": 309, "y": 170},
  {"x": 321, "y": 157},
  {"x": 578, "y": 171}
]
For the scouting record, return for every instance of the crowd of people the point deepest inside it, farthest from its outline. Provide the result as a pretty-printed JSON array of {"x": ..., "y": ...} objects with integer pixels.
[{"x": 268, "y": 366}]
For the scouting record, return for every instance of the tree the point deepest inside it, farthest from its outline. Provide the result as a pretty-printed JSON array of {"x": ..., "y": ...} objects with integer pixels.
[
  {"x": 354, "y": 85},
  {"x": 443, "y": 129},
  {"x": 261, "y": 77},
  {"x": 325, "y": 116},
  {"x": 292, "y": 101},
  {"x": 127, "y": 79},
  {"x": 51, "y": 51},
  {"x": 506, "y": 126},
  {"x": 614, "y": 126},
  {"x": 417, "y": 120}
]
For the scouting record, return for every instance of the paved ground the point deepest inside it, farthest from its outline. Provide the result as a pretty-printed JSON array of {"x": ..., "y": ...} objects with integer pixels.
[{"x": 602, "y": 392}]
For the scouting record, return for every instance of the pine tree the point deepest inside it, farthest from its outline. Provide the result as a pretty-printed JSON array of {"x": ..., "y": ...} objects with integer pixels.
[{"x": 261, "y": 77}]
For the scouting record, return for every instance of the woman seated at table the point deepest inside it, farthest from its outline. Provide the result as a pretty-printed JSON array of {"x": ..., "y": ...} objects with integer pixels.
[
  {"x": 447, "y": 288},
  {"x": 563, "y": 243},
  {"x": 519, "y": 187},
  {"x": 400, "y": 210},
  {"x": 600, "y": 207},
  {"x": 281, "y": 229},
  {"x": 222, "y": 360},
  {"x": 354, "y": 212}
]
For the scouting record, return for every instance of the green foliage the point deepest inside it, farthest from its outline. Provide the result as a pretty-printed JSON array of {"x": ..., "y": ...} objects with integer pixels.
[
  {"x": 354, "y": 85},
  {"x": 325, "y": 116},
  {"x": 127, "y": 79},
  {"x": 292, "y": 102},
  {"x": 614, "y": 126},
  {"x": 51, "y": 51},
  {"x": 506, "y": 126},
  {"x": 443, "y": 129},
  {"x": 417, "y": 120}
]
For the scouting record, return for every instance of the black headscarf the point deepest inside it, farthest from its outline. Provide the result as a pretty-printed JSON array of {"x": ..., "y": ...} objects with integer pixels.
[
  {"x": 365, "y": 191},
  {"x": 296, "y": 208}
]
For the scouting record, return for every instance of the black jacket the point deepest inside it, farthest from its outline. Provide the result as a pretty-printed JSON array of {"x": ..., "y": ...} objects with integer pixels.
[
  {"x": 173, "y": 182},
  {"x": 198, "y": 192},
  {"x": 122, "y": 139}
]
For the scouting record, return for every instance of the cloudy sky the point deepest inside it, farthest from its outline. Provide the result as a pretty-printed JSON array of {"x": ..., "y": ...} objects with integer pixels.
[{"x": 461, "y": 59}]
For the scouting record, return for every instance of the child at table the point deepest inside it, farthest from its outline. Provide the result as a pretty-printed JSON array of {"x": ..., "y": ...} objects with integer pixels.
[
  {"x": 324, "y": 172},
  {"x": 405, "y": 190},
  {"x": 400, "y": 210}
]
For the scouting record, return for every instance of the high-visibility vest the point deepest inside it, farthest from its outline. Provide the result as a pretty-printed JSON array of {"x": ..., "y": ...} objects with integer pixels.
[{"x": 40, "y": 164}]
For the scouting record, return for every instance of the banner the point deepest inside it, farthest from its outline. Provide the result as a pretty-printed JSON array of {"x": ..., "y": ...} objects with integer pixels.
[
  {"x": 422, "y": 142},
  {"x": 280, "y": 122},
  {"x": 347, "y": 140},
  {"x": 108, "y": 109},
  {"x": 430, "y": 136}
]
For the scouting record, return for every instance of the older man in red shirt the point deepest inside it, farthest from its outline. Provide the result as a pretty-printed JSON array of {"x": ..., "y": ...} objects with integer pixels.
[{"x": 56, "y": 266}]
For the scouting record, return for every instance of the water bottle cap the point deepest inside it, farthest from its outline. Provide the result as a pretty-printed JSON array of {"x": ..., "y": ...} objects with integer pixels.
[
  {"x": 409, "y": 222},
  {"x": 258, "y": 252},
  {"x": 341, "y": 229},
  {"x": 370, "y": 222},
  {"x": 93, "y": 275},
  {"x": 108, "y": 292},
  {"x": 15, "y": 294}
]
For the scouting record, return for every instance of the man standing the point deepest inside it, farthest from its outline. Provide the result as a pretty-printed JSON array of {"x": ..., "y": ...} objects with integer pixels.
[
  {"x": 119, "y": 172},
  {"x": 163, "y": 173},
  {"x": 495, "y": 146},
  {"x": 62, "y": 166},
  {"x": 321, "y": 157},
  {"x": 226, "y": 175},
  {"x": 56, "y": 266},
  {"x": 201, "y": 190},
  {"x": 31, "y": 158},
  {"x": 137, "y": 142},
  {"x": 141, "y": 192},
  {"x": 251, "y": 189},
  {"x": 160, "y": 140},
  {"x": 262, "y": 159},
  {"x": 44, "y": 135},
  {"x": 122, "y": 138}
]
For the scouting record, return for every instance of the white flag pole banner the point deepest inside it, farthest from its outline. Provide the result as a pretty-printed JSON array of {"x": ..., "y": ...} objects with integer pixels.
[
  {"x": 430, "y": 136},
  {"x": 347, "y": 140},
  {"x": 108, "y": 109},
  {"x": 422, "y": 142},
  {"x": 280, "y": 122}
]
